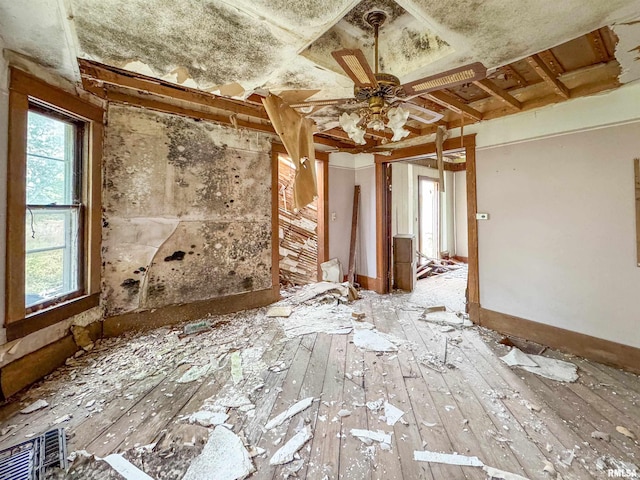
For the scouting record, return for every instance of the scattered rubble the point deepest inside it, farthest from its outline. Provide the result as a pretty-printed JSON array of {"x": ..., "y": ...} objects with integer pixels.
[
  {"x": 81, "y": 337},
  {"x": 441, "y": 317},
  {"x": 206, "y": 418},
  {"x": 368, "y": 436},
  {"x": 601, "y": 436},
  {"x": 392, "y": 414},
  {"x": 430, "y": 267}
]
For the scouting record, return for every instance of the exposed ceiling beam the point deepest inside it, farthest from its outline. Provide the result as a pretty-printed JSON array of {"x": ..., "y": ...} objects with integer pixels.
[
  {"x": 123, "y": 78},
  {"x": 551, "y": 61},
  {"x": 492, "y": 89},
  {"x": 548, "y": 76},
  {"x": 453, "y": 104},
  {"x": 509, "y": 70},
  {"x": 160, "y": 105},
  {"x": 597, "y": 45}
]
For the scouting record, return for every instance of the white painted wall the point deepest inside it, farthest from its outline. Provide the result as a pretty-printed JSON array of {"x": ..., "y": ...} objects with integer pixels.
[
  {"x": 4, "y": 130},
  {"x": 560, "y": 246},
  {"x": 342, "y": 177},
  {"x": 404, "y": 202},
  {"x": 460, "y": 206},
  {"x": 365, "y": 176}
]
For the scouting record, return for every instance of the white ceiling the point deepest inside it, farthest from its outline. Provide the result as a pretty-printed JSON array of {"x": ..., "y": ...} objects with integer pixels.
[{"x": 286, "y": 44}]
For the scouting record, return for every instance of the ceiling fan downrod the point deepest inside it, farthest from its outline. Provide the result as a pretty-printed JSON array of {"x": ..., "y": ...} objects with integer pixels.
[{"x": 376, "y": 19}]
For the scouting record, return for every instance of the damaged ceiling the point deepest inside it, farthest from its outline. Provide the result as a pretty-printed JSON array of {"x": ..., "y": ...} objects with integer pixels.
[{"x": 235, "y": 48}]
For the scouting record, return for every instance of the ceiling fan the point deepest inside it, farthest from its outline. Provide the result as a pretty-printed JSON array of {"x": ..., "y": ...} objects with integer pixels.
[{"x": 387, "y": 99}]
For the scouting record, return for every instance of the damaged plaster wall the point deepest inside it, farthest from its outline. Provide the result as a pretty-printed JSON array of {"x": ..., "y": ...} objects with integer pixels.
[
  {"x": 342, "y": 179},
  {"x": 560, "y": 245},
  {"x": 187, "y": 208}
]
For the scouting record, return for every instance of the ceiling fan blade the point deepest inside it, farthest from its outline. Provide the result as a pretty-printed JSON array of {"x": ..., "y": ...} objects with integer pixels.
[
  {"x": 321, "y": 103},
  {"x": 450, "y": 78},
  {"x": 356, "y": 67},
  {"x": 417, "y": 112}
]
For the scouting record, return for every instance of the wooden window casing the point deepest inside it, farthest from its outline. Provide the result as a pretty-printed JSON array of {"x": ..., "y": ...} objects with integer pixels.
[{"x": 27, "y": 92}]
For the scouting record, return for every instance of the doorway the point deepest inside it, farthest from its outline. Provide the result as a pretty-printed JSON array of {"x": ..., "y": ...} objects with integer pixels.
[{"x": 428, "y": 216}]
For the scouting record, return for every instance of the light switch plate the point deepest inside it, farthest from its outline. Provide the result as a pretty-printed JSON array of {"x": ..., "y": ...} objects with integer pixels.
[{"x": 482, "y": 216}]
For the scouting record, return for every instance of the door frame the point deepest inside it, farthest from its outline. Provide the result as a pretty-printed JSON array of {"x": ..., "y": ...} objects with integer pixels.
[
  {"x": 322, "y": 182},
  {"x": 383, "y": 213},
  {"x": 438, "y": 216}
]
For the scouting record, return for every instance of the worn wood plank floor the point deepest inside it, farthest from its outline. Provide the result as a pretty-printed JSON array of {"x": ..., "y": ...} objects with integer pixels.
[{"x": 140, "y": 390}]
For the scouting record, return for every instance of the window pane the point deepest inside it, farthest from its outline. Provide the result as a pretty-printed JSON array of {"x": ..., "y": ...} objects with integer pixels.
[
  {"x": 52, "y": 253},
  {"x": 50, "y": 160}
]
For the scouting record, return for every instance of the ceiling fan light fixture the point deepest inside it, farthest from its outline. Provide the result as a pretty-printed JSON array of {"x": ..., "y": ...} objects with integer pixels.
[{"x": 349, "y": 123}]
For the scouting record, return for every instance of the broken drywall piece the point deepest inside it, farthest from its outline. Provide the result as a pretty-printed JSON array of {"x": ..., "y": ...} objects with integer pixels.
[
  {"x": 341, "y": 331},
  {"x": 206, "y": 418},
  {"x": 344, "y": 413},
  {"x": 358, "y": 316},
  {"x": 568, "y": 457},
  {"x": 288, "y": 450},
  {"x": 313, "y": 290},
  {"x": 62, "y": 419},
  {"x": 392, "y": 414},
  {"x": 626, "y": 432},
  {"x": 81, "y": 337},
  {"x": 447, "y": 329},
  {"x": 517, "y": 358},
  {"x": 373, "y": 341},
  {"x": 125, "y": 468},
  {"x": 601, "y": 436},
  {"x": 501, "y": 474},
  {"x": 224, "y": 457},
  {"x": 236, "y": 368},
  {"x": 445, "y": 318},
  {"x": 367, "y": 436},
  {"x": 332, "y": 271},
  {"x": 550, "y": 469},
  {"x": 194, "y": 373},
  {"x": 290, "y": 412},
  {"x": 35, "y": 406},
  {"x": 550, "y": 368},
  {"x": 283, "y": 311},
  {"x": 448, "y": 458},
  {"x": 436, "y": 308}
]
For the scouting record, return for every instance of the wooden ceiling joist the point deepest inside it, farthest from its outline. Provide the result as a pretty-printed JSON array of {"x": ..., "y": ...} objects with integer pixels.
[
  {"x": 597, "y": 45},
  {"x": 551, "y": 61},
  {"x": 96, "y": 72},
  {"x": 492, "y": 89},
  {"x": 548, "y": 76},
  {"x": 448, "y": 101}
]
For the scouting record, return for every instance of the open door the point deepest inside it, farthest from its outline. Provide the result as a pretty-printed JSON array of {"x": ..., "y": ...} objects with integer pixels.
[{"x": 428, "y": 216}]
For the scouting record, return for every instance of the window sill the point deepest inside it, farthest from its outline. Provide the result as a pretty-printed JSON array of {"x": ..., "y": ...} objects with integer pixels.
[{"x": 45, "y": 318}]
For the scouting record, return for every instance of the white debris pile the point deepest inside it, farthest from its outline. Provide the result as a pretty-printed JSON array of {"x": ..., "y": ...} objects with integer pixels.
[{"x": 545, "y": 367}]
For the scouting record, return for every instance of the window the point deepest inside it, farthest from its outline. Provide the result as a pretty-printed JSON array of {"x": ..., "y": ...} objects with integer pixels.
[
  {"x": 53, "y": 214},
  {"x": 54, "y": 202}
]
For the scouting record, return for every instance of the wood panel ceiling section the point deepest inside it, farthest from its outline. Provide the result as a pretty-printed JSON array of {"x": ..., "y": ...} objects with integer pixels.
[{"x": 580, "y": 67}]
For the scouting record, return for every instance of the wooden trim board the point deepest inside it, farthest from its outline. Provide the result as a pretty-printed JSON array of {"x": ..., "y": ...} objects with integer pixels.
[
  {"x": 32, "y": 367},
  {"x": 368, "y": 283},
  {"x": 593, "y": 348},
  {"x": 172, "y": 314}
]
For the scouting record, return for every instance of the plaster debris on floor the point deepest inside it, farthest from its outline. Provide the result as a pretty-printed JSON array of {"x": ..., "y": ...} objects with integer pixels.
[{"x": 345, "y": 385}]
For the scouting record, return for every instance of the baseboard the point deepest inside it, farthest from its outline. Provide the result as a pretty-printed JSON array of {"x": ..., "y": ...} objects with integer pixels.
[
  {"x": 461, "y": 259},
  {"x": 172, "y": 314},
  {"x": 593, "y": 348},
  {"x": 368, "y": 283},
  {"x": 32, "y": 367}
]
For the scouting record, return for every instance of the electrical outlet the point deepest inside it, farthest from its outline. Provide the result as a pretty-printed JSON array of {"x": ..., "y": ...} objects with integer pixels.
[
  {"x": 482, "y": 216},
  {"x": 334, "y": 216}
]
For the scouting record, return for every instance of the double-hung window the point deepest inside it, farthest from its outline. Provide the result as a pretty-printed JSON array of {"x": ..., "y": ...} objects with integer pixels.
[{"x": 53, "y": 205}]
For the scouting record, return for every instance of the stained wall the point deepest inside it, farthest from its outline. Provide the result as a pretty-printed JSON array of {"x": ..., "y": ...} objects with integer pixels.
[{"x": 187, "y": 210}]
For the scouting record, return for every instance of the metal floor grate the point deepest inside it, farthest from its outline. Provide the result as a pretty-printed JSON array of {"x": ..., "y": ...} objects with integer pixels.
[{"x": 29, "y": 460}]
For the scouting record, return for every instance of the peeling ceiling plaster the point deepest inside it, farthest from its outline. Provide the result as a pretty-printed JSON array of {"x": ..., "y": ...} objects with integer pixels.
[{"x": 284, "y": 45}]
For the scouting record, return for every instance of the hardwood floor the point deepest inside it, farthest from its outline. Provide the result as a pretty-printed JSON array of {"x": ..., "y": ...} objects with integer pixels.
[{"x": 132, "y": 392}]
